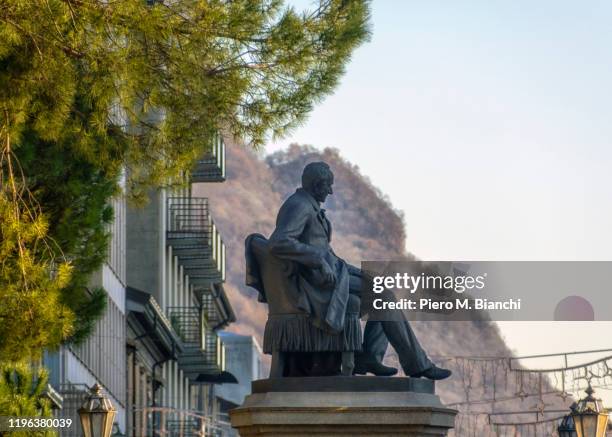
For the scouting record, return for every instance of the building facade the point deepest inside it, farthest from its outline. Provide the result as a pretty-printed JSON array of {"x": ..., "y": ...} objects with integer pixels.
[
  {"x": 244, "y": 360},
  {"x": 157, "y": 350}
]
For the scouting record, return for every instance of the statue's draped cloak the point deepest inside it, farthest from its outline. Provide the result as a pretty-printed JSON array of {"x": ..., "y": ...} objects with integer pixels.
[{"x": 305, "y": 313}]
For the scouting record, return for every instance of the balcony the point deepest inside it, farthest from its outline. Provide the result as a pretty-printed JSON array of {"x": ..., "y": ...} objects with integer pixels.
[
  {"x": 216, "y": 306},
  {"x": 203, "y": 356},
  {"x": 189, "y": 324},
  {"x": 195, "y": 240},
  {"x": 147, "y": 320},
  {"x": 192, "y": 324},
  {"x": 200, "y": 363},
  {"x": 211, "y": 166}
]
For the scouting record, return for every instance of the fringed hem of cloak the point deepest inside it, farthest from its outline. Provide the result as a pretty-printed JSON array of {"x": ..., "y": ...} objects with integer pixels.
[{"x": 296, "y": 333}]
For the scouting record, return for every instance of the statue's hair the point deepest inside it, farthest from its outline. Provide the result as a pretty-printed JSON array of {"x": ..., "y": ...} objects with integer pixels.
[{"x": 315, "y": 172}]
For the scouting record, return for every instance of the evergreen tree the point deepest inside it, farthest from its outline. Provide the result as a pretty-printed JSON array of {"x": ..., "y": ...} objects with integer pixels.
[
  {"x": 21, "y": 395},
  {"x": 76, "y": 194},
  {"x": 89, "y": 88}
]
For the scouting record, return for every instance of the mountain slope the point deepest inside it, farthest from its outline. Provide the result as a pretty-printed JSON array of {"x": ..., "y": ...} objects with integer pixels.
[{"x": 366, "y": 227}]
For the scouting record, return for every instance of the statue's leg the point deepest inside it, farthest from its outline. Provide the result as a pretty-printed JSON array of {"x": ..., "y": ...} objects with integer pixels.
[
  {"x": 398, "y": 332},
  {"x": 411, "y": 355},
  {"x": 277, "y": 367},
  {"x": 324, "y": 364},
  {"x": 375, "y": 341},
  {"x": 369, "y": 360},
  {"x": 348, "y": 363}
]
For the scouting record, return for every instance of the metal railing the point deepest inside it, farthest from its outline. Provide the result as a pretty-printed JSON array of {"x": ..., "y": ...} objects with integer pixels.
[
  {"x": 195, "y": 239},
  {"x": 210, "y": 360},
  {"x": 190, "y": 427},
  {"x": 221, "y": 427},
  {"x": 215, "y": 316},
  {"x": 214, "y": 350},
  {"x": 211, "y": 167},
  {"x": 73, "y": 397},
  {"x": 172, "y": 422},
  {"x": 188, "y": 217},
  {"x": 189, "y": 323}
]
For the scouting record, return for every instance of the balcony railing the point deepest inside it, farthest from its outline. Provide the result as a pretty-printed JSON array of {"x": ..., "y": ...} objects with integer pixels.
[
  {"x": 210, "y": 360},
  {"x": 189, "y": 323},
  {"x": 185, "y": 428},
  {"x": 211, "y": 167},
  {"x": 195, "y": 240},
  {"x": 216, "y": 306},
  {"x": 171, "y": 422}
]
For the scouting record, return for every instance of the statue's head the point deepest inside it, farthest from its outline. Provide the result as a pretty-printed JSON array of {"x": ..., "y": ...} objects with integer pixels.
[{"x": 318, "y": 179}]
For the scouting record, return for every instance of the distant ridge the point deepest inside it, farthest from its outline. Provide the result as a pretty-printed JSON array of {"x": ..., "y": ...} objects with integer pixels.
[{"x": 365, "y": 226}]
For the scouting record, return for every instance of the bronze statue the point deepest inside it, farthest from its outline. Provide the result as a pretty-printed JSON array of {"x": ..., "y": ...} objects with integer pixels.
[{"x": 313, "y": 327}]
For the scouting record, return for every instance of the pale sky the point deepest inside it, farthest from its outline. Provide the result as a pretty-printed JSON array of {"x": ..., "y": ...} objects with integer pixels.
[{"x": 489, "y": 124}]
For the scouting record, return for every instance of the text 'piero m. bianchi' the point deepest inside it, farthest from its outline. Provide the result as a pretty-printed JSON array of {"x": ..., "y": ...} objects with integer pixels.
[
  {"x": 425, "y": 292},
  {"x": 411, "y": 289}
]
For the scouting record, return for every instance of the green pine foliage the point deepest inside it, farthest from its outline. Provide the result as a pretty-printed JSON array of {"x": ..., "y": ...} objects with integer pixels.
[
  {"x": 93, "y": 88},
  {"x": 76, "y": 194},
  {"x": 32, "y": 315},
  {"x": 169, "y": 74},
  {"x": 21, "y": 395}
]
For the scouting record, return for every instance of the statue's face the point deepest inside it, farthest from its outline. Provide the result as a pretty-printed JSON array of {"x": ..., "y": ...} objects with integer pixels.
[{"x": 323, "y": 188}]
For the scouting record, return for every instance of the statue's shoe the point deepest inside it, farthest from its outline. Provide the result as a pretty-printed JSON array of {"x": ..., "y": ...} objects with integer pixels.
[
  {"x": 434, "y": 373},
  {"x": 374, "y": 367}
]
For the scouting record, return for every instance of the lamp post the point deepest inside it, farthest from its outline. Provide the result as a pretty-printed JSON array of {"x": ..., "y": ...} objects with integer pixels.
[
  {"x": 590, "y": 417},
  {"x": 97, "y": 414},
  {"x": 567, "y": 428}
]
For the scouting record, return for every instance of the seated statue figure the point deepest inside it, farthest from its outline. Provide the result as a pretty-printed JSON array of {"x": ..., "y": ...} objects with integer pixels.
[{"x": 313, "y": 326}]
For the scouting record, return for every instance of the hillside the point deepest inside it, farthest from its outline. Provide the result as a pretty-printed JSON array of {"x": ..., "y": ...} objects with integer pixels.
[{"x": 366, "y": 226}]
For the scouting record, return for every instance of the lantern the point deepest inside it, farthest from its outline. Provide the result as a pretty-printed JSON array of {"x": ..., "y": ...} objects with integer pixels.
[
  {"x": 97, "y": 414},
  {"x": 590, "y": 417}
]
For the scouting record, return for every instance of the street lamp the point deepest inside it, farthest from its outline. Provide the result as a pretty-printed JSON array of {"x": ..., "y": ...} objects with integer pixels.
[
  {"x": 590, "y": 417},
  {"x": 567, "y": 428},
  {"x": 97, "y": 414}
]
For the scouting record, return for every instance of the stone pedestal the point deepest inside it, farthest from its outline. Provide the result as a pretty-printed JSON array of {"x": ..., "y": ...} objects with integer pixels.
[{"x": 342, "y": 406}]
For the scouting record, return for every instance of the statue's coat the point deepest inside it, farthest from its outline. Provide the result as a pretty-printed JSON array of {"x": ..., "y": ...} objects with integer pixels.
[{"x": 305, "y": 313}]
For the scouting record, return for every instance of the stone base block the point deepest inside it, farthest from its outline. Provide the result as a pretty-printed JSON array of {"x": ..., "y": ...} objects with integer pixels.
[{"x": 342, "y": 406}]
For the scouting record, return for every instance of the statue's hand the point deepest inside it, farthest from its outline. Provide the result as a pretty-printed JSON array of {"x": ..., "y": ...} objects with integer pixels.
[{"x": 328, "y": 274}]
